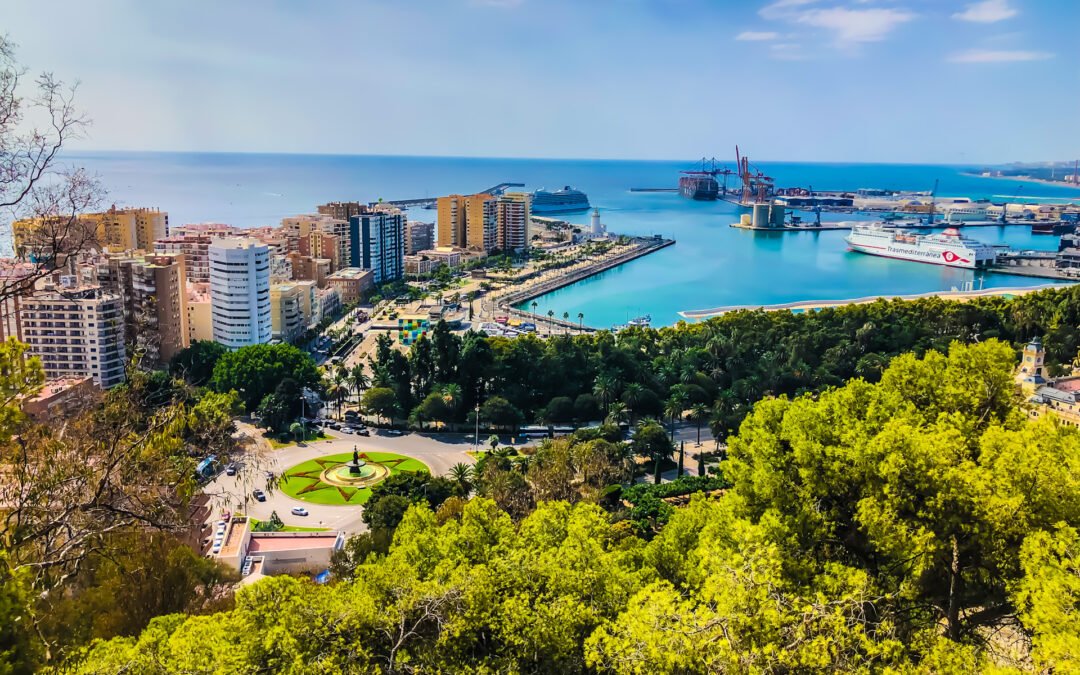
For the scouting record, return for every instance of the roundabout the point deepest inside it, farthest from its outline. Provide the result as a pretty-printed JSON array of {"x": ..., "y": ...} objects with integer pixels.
[{"x": 343, "y": 479}]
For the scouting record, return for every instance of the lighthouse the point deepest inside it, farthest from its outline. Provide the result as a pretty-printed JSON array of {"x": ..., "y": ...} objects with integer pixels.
[{"x": 596, "y": 228}]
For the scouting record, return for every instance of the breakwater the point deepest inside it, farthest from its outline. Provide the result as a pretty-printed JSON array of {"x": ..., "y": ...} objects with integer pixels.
[{"x": 815, "y": 305}]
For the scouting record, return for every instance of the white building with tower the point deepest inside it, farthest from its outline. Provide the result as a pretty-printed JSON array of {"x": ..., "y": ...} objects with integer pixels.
[{"x": 240, "y": 292}]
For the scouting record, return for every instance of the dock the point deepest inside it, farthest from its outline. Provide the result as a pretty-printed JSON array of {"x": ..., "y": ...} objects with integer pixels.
[
  {"x": 816, "y": 305},
  {"x": 646, "y": 189},
  {"x": 642, "y": 246}
]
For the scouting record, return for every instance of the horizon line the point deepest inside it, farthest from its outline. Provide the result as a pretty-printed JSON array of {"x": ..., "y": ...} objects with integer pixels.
[{"x": 87, "y": 151}]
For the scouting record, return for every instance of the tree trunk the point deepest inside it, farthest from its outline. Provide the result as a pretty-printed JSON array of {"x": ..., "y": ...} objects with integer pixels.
[
  {"x": 656, "y": 472},
  {"x": 953, "y": 611},
  {"x": 682, "y": 455}
]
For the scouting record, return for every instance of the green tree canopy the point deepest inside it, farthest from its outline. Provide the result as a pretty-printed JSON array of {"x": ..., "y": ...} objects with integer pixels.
[
  {"x": 196, "y": 363},
  {"x": 256, "y": 370}
]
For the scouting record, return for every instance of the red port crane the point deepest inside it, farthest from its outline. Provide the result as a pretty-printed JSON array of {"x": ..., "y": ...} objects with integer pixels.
[{"x": 756, "y": 186}]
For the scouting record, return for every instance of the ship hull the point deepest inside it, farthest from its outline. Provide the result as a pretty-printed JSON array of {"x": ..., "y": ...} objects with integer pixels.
[
  {"x": 699, "y": 189},
  {"x": 700, "y": 195},
  {"x": 943, "y": 258},
  {"x": 559, "y": 208}
]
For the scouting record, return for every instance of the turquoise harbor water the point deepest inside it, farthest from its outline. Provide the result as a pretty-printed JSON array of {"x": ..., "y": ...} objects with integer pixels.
[{"x": 711, "y": 265}]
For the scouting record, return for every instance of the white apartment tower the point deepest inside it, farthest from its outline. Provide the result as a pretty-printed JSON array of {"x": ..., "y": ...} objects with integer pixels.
[{"x": 240, "y": 292}]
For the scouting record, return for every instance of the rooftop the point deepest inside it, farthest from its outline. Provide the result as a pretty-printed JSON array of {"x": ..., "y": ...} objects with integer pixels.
[
  {"x": 264, "y": 542},
  {"x": 350, "y": 273}
]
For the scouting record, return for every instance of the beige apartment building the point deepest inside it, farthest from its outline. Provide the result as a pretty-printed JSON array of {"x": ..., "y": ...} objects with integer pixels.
[
  {"x": 77, "y": 330},
  {"x": 352, "y": 283},
  {"x": 196, "y": 251},
  {"x": 288, "y": 322},
  {"x": 200, "y": 313},
  {"x": 467, "y": 222},
  {"x": 154, "y": 292}
]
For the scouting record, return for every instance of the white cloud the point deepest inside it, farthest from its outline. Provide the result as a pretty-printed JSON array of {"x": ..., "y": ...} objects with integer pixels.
[
  {"x": 987, "y": 11},
  {"x": 782, "y": 9},
  {"x": 756, "y": 36},
  {"x": 852, "y": 26},
  {"x": 998, "y": 56},
  {"x": 787, "y": 51}
]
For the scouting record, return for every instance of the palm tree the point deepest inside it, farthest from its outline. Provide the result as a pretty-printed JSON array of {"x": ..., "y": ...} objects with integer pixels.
[
  {"x": 566, "y": 317},
  {"x": 462, "y": 474},
  {"x": 451, "y": 395},
  {"x": 580, "y": 321},
  {"x": 699, "y": 413},
  {"x": 633, "y": 395},
  {"x": 605, "y": 388},
  {"x": 359, "y": 379},
  {"x": 534, "y": 306},
  {"x": 551, "y": 315},
  {"x": 617, "y": 413},
  {"x": 333, "y": 393},
  {"x": 673, "y": 409}
]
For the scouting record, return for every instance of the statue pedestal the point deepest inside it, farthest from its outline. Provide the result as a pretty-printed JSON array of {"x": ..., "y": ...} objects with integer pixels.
[{"x": 356, "y": 467}]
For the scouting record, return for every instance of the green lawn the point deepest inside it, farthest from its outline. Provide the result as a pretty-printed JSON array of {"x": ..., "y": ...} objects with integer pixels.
[
  {"x": 289, "y": 528},
  {"x": 277, "y": 443},
  {"x": 311, "y": 489}
]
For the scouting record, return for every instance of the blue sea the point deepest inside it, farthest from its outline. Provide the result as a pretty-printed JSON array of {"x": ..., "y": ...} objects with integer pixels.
[{"x": 711, "y": 265}]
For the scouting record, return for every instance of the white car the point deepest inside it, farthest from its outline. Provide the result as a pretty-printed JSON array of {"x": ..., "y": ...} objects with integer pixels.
[{"x": 299, "y": 511}]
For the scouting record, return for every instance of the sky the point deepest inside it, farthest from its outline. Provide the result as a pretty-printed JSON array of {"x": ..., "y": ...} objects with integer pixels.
[{"x": 934, "y": 81}]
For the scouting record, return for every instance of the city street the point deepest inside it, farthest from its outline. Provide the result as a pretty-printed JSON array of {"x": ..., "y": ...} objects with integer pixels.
[{"x": 439, "y": 452}]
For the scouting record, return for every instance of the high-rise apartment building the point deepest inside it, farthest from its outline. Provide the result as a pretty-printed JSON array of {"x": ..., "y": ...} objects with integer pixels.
[
  {"x": 378, "y": 242},
  {"x": 513, "y": 221},
  {"x": 153, "y": 290},
  {"x": 468, "y": 222},
  {"x": 196, "y": 251},
  {"x": 341, "y": 210},
  {"x": 240, "y": 292},
  {"x": 419, "y": 237},
  {"x": 450, "y": 221},
  {"x": 133, "y": 229},
  {"x": 200, "y": 311},
  {"x": 129, "y": 229},
  {"x": 288, "y": 321},
  {"x": 77, "y": 330},
  {"x": 299, "y": 228}
]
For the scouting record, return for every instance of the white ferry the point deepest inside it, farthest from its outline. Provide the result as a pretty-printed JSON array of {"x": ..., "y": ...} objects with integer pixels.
[{"x": 948, "y": 248}]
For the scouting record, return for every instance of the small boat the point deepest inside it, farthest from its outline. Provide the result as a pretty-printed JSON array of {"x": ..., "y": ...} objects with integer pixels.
[{"x": 637, "y": 322}]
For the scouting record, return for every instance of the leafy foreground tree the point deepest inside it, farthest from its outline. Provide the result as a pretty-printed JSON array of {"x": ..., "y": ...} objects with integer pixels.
[{"x": 898, "y": 527}]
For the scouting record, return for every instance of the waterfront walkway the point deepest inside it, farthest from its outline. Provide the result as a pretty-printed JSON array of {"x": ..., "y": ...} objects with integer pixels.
[
  {"x": 815, "y": 305},
  {"x": 639, "y": 247}
]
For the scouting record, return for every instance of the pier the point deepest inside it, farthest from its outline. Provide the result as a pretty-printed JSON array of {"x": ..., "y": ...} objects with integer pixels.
[
  {"x": 430, "y": 201},
  {"x": 816, "y": 305},
  {"x": 642, "y": 246}
]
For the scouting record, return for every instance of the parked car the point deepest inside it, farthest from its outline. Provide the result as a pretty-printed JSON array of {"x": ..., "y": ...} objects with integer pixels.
[
  {"x": 395, "y": 432},
  {"x": 352, "y": 415},
  {"x": 332, "y": 424},
  {"x": 299, "y": 511},
  {"x": 347, "y": 430},
  {"x": 259, "y": 495},
  {"x": 363, "y": 432},
  {"x": 231, "y": 469}
]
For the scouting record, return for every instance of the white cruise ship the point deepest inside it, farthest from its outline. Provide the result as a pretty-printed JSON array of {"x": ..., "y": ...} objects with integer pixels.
[
  {"x": 565, "y": 200},
  {"x": 948, "y": 248}
]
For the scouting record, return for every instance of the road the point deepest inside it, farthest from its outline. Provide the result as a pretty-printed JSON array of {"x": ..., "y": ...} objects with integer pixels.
[{"x": 438, "y": 451}]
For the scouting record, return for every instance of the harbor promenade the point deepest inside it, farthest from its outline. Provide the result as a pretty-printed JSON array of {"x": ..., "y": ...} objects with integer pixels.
[
  {"x": 505, "y": 301},
  {"x": 815, "y": 305}
]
